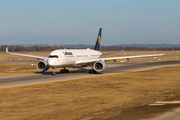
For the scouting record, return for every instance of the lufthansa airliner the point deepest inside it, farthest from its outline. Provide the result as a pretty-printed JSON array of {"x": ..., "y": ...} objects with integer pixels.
[{"x": 77, "y": 58}]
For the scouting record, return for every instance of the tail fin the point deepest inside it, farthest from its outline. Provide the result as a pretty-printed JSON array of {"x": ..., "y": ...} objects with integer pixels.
[{"x": 97, "y": 46}]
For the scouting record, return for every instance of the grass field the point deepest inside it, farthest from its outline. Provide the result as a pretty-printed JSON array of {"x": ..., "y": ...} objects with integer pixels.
[
  {"x": 9, "y": 70},
  {"x": 89, "y": 98}
]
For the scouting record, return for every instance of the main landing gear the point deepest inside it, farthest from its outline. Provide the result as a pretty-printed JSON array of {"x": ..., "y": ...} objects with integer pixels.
[
  {"x": 64, "y": 70},
  {"x": 61, "y": 71},
  {"x": 92, "y": 71}
]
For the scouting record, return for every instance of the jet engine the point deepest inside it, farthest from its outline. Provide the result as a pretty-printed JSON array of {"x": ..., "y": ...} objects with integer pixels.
[
  {"x": 99, "y": 66},
  {"x": 42, "y": 66}
]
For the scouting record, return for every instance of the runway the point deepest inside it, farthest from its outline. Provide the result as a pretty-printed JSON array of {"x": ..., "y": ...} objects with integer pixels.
[
  {"x": 18, "y": 80},
  {"x": 171, "y": 115}
]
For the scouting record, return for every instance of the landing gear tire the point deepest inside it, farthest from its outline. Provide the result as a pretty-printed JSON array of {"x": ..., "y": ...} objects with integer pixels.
[
  {"x": 92, "y": 71},
  {"x": 54, "y": 74},
  {"x": 64, "y": 71}
]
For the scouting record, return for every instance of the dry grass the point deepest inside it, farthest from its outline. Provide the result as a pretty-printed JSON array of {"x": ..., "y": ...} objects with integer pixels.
[
  {"x": 9, "y": 70},
  {"x": 5, "y": 67},
  {"x": 95, "y": 97}
]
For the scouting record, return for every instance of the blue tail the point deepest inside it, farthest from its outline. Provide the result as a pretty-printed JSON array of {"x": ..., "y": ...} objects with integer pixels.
[{"x": 97, "y": 46}]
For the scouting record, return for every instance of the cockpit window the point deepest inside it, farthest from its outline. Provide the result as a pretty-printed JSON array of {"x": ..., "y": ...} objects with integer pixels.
[{"x": 53, "y": 56}]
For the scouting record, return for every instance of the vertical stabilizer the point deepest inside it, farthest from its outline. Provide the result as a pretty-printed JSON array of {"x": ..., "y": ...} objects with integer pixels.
[{"x": 97, "y": 46}]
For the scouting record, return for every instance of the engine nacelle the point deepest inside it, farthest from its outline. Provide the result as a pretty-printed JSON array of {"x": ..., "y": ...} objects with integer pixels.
[
  {"x": 42, "y": 65},
  {"x": 99, "y": 66}
]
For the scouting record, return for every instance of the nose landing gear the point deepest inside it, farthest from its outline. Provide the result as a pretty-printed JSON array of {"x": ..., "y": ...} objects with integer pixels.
[{"x": 54, "y": 73}]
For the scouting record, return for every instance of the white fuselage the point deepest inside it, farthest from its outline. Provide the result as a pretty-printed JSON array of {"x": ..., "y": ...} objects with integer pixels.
[{"x": 69, "y": 57}]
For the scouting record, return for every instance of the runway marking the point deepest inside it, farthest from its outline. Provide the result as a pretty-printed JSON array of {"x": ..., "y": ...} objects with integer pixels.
[
  {"x": 168, "y": 102},
  {"x": 156, "y": 104},
  {"x": 164, "y": 103}
]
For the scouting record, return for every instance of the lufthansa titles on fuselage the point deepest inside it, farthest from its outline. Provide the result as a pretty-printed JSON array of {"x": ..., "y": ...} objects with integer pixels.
[{"x": 67, "y": 53}]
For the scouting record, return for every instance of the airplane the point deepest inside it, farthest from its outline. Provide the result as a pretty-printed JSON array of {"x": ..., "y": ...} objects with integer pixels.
[{"x": 77, "y": 58}]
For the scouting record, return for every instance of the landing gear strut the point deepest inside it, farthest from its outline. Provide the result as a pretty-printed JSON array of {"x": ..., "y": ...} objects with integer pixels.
[
  {"x": 64, "y": 70},
  {"x": 54, "y": 73},
  {"x": 92, "y": 71}
]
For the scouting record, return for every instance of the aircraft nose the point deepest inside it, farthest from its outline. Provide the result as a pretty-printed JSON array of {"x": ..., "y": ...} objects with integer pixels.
[{"x": 50, "y": 62}]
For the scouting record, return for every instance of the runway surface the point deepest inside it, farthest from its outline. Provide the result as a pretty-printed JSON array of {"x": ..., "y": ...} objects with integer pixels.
[
  {"x": 171, "y": 115},
  {"x": 18, "y": 80}
]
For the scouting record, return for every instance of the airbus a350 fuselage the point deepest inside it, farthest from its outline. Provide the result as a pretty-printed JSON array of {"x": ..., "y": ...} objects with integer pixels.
[{"x": 70, "y": 57}]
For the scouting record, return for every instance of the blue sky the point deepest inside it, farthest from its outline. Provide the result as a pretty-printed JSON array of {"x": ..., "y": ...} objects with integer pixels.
[{"x": 78, "y": 21}]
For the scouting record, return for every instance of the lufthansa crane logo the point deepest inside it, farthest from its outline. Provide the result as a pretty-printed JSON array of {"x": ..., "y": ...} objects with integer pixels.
[{"x": 99, "y": 39}]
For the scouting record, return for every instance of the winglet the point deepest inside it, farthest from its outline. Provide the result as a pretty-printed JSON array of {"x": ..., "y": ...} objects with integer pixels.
[
  {"x": 7, "y": 50},
  {"x": 97, "y": 46},
  {"x": 170, "y": 52}
]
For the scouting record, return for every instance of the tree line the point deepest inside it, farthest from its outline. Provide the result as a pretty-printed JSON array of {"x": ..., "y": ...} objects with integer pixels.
[{"x": 35, "y": 48}]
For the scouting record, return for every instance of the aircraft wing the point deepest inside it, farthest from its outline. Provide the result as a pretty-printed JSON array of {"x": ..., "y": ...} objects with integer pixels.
[
  {"x": 27, "y": 55},
  {"x": 112, "y": 52},
  {"x": 115, "y": 58},
  {"x": 136, "y": 56}
]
